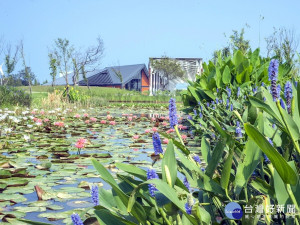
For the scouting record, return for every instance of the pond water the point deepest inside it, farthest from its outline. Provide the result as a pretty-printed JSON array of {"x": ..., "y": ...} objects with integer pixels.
[{"x": 49, "y": 159}]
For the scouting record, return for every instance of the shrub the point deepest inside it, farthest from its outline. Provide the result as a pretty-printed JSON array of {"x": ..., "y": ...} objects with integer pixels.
[{"x": 12, "y": 96}]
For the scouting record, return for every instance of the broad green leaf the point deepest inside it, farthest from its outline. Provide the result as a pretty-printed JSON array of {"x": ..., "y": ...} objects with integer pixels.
[
  {"x": 194, "y": 93},
  {"x": 263, "y": 187},
  {"x": 285, "y": 171},
  {"x": 106, "y": 218},
  {"x": 215, "y": 158},
  {"x": 133, "y": 170},
  {"x": 246, "y": 168},
  {"x": 226, "y": 76},
  {"x": 169, "y": 165},
  {"x": 33, "y": 222},
  {"x": 227, "y": 170},
  {"x": 205, "y": 150}
]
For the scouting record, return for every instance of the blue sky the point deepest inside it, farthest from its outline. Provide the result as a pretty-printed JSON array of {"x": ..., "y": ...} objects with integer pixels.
[{"x": 135, "y": 30}]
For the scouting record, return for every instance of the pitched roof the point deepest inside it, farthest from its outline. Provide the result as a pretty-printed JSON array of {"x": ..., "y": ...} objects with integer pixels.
[{"x": 106, "y": 76}]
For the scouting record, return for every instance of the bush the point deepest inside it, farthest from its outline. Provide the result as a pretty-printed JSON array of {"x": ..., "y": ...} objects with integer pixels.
[{"x": 12, "y": 96}]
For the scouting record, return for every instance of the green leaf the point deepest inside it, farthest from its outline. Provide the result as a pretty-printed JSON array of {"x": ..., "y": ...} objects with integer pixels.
[
  {"x": 106, "y": 218},
  {"x": 263, "y": 187},
  {"x": 285, "y": 171},
  {"x": 227, "y": 170},
  {"x": 137, "y": 211},
  {"x": 215, "y": 158},
  {"x": 205, "y": 149},
  {"x": 133, "y": 170},
  {"x": 169, "y": 165},
  {"x": 194, "y": 93},
  {"x": 246, "y": 168},
  {"x": 34, "y": 223},
  {"x": 226, "y": 76}
]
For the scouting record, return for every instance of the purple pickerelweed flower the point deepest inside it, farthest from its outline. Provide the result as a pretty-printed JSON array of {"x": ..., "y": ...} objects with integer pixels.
[
  {"x": 273, "y": 126},
  {"x": 207, "y": 104},
  {"x": 95, "y": 194},
  {"x": 264, "y": 99},
  {"x": 195, "y": 112},
  {"x": 173, "y": 113},
  {"x": 188, "y": 208},
  {"x": 231, "y": 107},
  {"x": 76, "y": 219},
  {"x": 282, "y": 103},
  {"x": 288, "y": 94},
  {"x": 273, "y": 75},
  {"x": 157, "y": 144},
  {"x": 238, "y": 92},
  {"x": 262, "y": 84},
  {"x": 189, "y": 117},
  {"x": 217, "y": 100},
  {"x": 197, "y": 158},
  {"x": 227, "y": 103},
  {"x": 238, "y": 130},
  {"x": 220, "y": 101},
  {"x": 296, "y": 83},
  {"x": 213, "y": 107},
  {"x": 217, "y": 90},
  {"x": 186, "y": 184},
  {"x": 267, "y": 160},
  {"x": 278, "y": 90},
  {"x": 228, "y": 92},
  {"x": 201, "y": 107},
  {"x": 151, "y": 174},
  {"x": 199, "y": 103},
  {"x": 200, "y": 115},
  {"x": 254, "y": 89}
]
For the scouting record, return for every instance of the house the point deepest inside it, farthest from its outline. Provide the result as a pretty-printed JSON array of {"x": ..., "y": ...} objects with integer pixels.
[
  {"x": 191, "y": 67},
  {"x": 131, "y": 77}
]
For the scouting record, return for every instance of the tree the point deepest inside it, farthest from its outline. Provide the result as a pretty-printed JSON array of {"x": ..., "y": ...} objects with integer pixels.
[
  {"x": 169, "y": 67},
  {"x": 53, "y": 67},
  {"x": 11, "y": 60},
  {"x": 238, "y": 42},
  {"x": 283, "y": 45},
  {"x": 63, "y": 54},
  {"x": 27, "y": 73}
]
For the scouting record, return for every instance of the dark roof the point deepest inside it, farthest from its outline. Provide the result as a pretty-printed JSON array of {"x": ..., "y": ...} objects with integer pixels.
[{"x": 108, "y": 76}]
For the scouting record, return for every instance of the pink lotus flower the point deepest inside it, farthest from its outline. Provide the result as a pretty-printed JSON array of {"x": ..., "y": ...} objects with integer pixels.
[
  {"x": 46, "y": 120},
  {"x": 79, "y": 145},
  {"x": 165, "y": 124},
  {"x": 152, "y": 119},
  {"x": 103, "y": 121},
  {"x": 136, "y": 137},
  {"x": 108, "y": 117},
  {"x": 170, "y": 131},
  {"x": 112, "y": 122},
  {"x": 166, "y": 141},
  {"x": 85, "y": 115},
  {"x": 147, "y": 131},
  {"x": 82, "y": 140},
  {"x": 87, "y": 121},
  {"x": 93, "y": 119},
  {"x": 130, "y": 118},
  {"x": 59, "y": 124},
  {"x": 154, "y": 129},
  {"x": 77, "y": 116},
  {"x": 184, "y": 137},
  {"x": 180, "y": 126}
]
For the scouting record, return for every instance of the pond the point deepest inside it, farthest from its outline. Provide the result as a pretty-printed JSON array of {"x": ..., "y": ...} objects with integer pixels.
[{"x": 38, "y": 156}]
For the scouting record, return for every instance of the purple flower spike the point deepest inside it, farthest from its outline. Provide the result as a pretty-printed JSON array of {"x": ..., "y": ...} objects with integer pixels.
[
  {"x": 151, "y": 174},
  {"x": 76, "y": 219},
  {"x": 95, "y": 194},
  {"x": 288, "y": 94},
  {"x": 157, "y": 144},
  {"x": 173, "y": 113},
  {"x": 273, "y": 75}
]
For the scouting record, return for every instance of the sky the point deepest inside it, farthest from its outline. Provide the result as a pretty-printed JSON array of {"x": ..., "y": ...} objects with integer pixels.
[{"x": 134, "y": 30}]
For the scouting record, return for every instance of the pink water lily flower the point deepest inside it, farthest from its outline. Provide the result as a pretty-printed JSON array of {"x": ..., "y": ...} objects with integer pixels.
[
  {"x": 79, "y": 145},
  {"x": 108, "y": 117},
  {"x": 103, "y": 121},
  {"x": 129, "y": 118},
  {"x": 154, "y": 129},
  {"x": 87, "y": 121},
  {"x": 166, "y": 141},
  {"x": 112, "y": 122},
  {"x": 184, "y": 137},
  {"x": 93, "y": 119},
  {"x": 59, "y": 124},
  {"x": 134, "y": 117},
  {"x": 136, "y": 137},
  {"x": 85, "y": 115},
  {"x": 165, "y": 124},
  {"x": 170, "y": 131},
  {"x": 46, "y": 120},
  {"x": 42, "y": 112},
  {"x": 77, "y": 116},
  {"x": 147, "y": 131}
]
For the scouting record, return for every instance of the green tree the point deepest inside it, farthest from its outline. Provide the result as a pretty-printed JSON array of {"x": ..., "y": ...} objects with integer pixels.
[
  {"x": 10, "y": 62},
  {"x": 53, "y": 67},
  {"x": 169, "y": 67},
  {"x": 238, "y": 41},
  {"x": 27, "y": 73}
]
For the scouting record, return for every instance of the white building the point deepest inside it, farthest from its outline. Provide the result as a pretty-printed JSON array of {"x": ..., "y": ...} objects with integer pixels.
[{"x": 191, "y": 67}]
